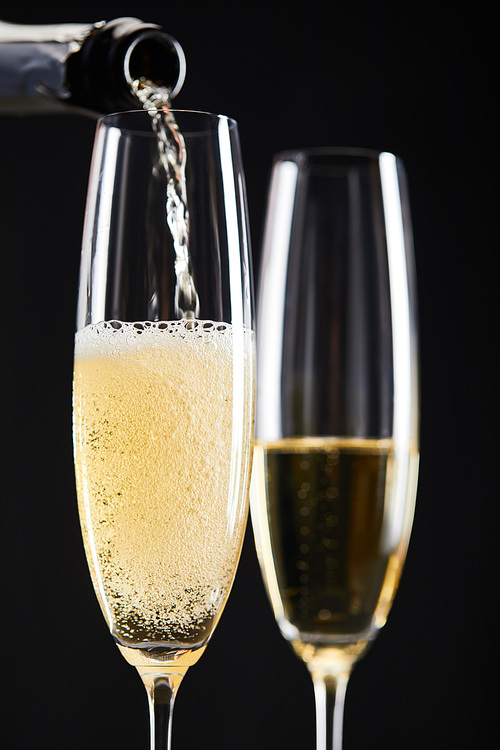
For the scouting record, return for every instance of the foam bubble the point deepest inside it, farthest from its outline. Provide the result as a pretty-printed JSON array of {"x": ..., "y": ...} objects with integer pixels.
[{"x": 108, "y": 332}]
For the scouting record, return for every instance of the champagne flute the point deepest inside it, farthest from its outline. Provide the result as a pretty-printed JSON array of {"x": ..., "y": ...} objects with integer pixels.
[
  {"x": 164, "y": 387},
  {"x": 336, "y": 451}
]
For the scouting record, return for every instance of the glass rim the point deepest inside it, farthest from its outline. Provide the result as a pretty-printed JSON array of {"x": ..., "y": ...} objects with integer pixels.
[
  {"x": 146, "y": 115},
  {"x": 306, "y": 154}
]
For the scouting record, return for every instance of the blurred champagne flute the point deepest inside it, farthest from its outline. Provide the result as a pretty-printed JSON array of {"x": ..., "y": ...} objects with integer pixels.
[{"x": 336, "y": 456}]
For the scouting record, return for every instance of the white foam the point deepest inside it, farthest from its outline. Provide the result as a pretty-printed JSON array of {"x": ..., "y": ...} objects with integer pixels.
[{"x": 103, "y": 337}]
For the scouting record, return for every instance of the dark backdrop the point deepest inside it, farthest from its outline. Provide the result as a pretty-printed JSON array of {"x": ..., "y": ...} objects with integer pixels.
[{"x": 414, "y": 78}]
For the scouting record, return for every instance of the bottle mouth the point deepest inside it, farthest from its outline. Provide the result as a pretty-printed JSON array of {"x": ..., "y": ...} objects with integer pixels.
[{"x": 154, "y": 57}]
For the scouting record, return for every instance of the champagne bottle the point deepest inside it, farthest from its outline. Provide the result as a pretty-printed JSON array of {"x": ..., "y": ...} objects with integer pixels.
[{"x": 90, "y": 67}]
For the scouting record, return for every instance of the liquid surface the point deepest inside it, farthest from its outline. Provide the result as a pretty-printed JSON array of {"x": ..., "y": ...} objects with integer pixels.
[
  {"x": 322, "y": 507},
  {"x": 162, "y": 432}
]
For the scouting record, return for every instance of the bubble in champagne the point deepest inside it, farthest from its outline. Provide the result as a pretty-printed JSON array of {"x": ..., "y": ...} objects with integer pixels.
[{"x": 162, "y": 472}]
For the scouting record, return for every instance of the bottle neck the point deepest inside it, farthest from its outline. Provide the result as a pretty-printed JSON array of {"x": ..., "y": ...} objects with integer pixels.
[
  {"x": 33, "y": 63},
  {"x": 59, "y": 32},
  {"x": 101, "y": 73},
  {"x": 88, "y": 66}
]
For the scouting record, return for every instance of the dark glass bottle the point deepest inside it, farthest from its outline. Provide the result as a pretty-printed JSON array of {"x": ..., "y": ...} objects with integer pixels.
[{"x": 86, "y": 66}]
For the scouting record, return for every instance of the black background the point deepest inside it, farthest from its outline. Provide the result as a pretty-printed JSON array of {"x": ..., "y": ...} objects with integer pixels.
[{"x": 415, "y": 78}]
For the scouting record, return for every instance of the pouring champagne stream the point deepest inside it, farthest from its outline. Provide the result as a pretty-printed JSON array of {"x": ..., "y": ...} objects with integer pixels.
[{"x": 172, "y": 155}]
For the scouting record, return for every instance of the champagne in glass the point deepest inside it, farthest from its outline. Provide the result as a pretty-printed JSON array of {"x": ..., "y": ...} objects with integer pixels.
[
  {"x": 163, "y": 400},
  {"x": 336, "y": 453}
]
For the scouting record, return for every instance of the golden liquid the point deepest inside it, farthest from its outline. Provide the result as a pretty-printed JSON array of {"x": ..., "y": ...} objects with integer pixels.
[
  {"x": 162, "y": 435},
  {"x": 322, "y": 509}
]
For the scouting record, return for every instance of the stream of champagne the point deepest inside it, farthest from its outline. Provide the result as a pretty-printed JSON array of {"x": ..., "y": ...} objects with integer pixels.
[{"x": 172, "y": 158}]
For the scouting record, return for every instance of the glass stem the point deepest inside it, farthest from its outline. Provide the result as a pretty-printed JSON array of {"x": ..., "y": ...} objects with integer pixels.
[
  {"x": 329, "y": 695},
  {"x": 161, "y": 690}
]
